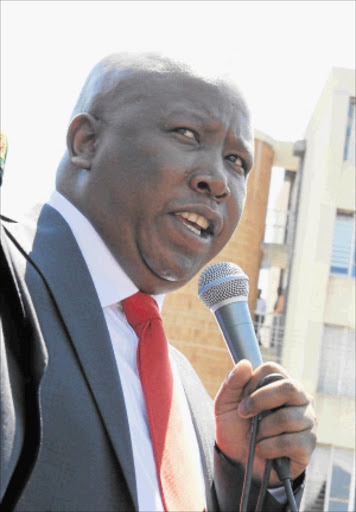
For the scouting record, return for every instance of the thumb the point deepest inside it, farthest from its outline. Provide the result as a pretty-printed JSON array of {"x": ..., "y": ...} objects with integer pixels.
[{"x": 231, "y": 390}]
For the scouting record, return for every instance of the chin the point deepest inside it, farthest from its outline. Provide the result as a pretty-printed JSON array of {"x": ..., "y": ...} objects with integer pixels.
[
  {"x": 168, "y": 275},
  {"x": 165, "y": 276},
  {"x": 168, "y": 281},
  {"x": 163, "y": 281},
  {"x": 178, "y": 271},
  {"x": 158, "y": 285}
]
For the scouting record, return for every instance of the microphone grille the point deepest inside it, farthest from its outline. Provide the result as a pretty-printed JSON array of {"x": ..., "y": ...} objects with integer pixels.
[{"x": 222, "y": 281}]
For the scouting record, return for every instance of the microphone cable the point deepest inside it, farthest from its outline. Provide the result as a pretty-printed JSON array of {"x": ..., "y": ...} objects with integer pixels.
[{"x": 280, "y": 465}]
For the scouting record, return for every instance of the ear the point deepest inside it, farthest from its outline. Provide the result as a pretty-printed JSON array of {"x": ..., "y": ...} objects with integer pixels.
[{"x": 81, "y": 138}]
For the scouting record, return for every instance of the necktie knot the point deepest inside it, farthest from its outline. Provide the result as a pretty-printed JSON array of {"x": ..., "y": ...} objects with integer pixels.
[{"x": 139, "y": 309}]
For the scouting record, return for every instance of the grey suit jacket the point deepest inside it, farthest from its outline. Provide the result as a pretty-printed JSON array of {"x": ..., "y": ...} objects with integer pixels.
[{"x": 64, "y": 426}]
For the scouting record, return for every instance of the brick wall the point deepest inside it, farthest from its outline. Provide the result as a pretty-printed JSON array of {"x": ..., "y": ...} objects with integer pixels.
[{"x": 188, "y": 323}]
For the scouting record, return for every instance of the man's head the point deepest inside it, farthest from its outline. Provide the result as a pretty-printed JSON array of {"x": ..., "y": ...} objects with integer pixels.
[{"x": 157, "y": 161}]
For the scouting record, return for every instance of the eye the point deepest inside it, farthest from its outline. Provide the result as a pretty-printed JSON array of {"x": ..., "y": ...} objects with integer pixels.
[
  {"x": 188, "y": 133},
  {"x": 238, "y": 162}
]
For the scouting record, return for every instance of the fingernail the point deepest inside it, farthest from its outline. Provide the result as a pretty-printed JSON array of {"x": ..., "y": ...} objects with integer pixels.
[{"x": 230, "y": 374}]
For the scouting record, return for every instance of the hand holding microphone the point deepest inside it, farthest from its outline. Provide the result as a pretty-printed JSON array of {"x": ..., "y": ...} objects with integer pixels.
[{"x": 289, "y": 431}]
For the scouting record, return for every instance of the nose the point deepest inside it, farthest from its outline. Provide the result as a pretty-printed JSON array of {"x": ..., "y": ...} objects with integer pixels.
[{"x": 211, "y": 183}]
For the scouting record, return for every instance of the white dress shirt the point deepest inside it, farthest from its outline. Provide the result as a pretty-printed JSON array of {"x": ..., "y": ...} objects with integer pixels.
[{"x": 112, "y": 286}]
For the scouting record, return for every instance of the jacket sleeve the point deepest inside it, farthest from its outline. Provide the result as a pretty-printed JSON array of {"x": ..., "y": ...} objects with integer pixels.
[
  {"x": 19, "y": 417},
  {"x": 12, "y": 382}
]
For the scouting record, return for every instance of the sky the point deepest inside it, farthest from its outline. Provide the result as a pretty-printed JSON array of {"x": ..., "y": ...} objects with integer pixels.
[{"x": 280, "y": 53}]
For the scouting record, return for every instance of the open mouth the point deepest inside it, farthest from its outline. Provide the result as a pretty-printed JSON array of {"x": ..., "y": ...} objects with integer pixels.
[{"x": 196, "y": 223}]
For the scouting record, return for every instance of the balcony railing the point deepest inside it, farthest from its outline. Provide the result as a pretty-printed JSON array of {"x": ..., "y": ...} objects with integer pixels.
[
  {"x": 270, "y": 334},
  {"x": 279, "y": 227}
]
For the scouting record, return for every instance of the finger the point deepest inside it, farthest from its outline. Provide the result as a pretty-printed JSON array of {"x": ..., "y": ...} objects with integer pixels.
[
  {"x": 261, "y": 372},
  {"x": 277, "y": 394},
  {"x": 231, "y": 390},
  {"x": 286, "y": 419},
  {"x": 297, "y": 446}
]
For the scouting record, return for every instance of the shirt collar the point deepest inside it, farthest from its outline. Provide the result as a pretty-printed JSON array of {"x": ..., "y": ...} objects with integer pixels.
[{"x": 111, "y": 283}]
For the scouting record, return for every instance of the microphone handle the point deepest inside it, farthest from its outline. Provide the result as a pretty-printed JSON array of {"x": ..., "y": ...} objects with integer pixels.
[{"x": 236, "y": 325}]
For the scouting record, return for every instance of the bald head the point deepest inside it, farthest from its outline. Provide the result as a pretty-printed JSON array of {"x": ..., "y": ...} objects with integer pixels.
[
  {"x": 110, "y": 76},
  {"x": 114, "y": 82}
]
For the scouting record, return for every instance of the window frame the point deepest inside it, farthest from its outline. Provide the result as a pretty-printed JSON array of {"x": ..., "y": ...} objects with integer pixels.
[
  {"x": 350, "y": 130},
  {"x": 324, "y": 361},
  {"x": 351, "y": 266}
]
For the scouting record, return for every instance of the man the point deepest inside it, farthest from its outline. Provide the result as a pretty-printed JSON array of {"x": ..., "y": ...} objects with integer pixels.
[
  {"x": 150, "y": 189},
  {"x": 260, "y": 313},
  {"x": 278, "y": 319}
]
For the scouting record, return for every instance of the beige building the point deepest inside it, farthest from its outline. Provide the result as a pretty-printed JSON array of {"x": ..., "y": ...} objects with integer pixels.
[
  {"x": 308, "y": 253},
  {"x": 319, "y": 323}
]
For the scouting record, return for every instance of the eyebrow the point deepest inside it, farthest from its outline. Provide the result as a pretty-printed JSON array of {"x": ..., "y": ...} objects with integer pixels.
[
  {"x": 184, "y": 110},
  {"x": 248, "y": 151},
  {"x": 243, "y": 144}
]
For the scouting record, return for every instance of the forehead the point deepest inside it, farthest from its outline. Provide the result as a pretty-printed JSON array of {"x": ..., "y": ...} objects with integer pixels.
[{"x": 159, "y": 95}]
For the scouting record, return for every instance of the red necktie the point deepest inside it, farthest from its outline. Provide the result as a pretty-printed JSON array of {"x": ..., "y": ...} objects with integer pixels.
[{"x": 177, "y": 470}]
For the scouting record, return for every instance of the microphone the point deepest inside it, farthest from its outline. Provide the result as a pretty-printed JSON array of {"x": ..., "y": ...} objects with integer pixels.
[{"x": 223, "y": 288}]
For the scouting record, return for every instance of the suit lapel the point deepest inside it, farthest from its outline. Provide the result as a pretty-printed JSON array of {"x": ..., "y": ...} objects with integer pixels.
[{"x": 55, "y": 253}]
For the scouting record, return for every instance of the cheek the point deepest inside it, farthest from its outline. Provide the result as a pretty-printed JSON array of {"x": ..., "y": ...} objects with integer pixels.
[{"x": 236, "y": 204}]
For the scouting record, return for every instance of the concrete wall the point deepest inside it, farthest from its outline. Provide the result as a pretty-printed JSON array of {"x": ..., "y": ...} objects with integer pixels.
[
  {"x": 319, "y": 198},
  {"x": 340, "y": 302},
  {"x": 315, "y": 297},
  {"x": 345, "y": 194},
  {"x": 336, "y": 420}
]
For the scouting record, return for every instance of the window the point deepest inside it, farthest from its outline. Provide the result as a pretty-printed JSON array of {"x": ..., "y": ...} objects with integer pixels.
[
  {"x": 343, "y": 258},
  {"x": 349, "y": 149},
  {"x": 329, "y": 482},
  {"x": 337, "y": 362},
  {"x": 341, "y": 480},
  {"x": 316, "y": 479}
]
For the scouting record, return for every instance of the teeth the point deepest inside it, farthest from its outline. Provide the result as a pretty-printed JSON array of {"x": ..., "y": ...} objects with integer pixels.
[
  {"x": 197, "y": 219},
  {"x": 196, "y": 231}
]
